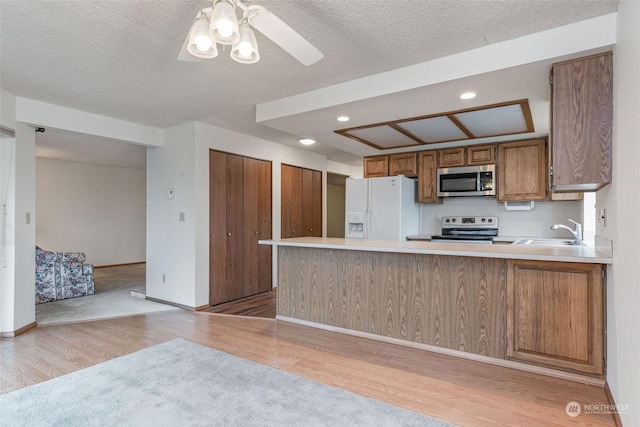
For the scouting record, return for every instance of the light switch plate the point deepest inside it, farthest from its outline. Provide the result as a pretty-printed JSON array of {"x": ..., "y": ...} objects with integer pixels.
[
  {"x": 170, "y": 194},
  {"x": 181, "y": 216},
  {"x": 602, "y": 217}
]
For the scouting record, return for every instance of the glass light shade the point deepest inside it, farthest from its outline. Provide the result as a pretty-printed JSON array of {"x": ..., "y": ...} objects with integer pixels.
[
  {"x": 246, "y": 50},
  {"x": 224, "y": 23},
  {"x": 200, "y": 44}
]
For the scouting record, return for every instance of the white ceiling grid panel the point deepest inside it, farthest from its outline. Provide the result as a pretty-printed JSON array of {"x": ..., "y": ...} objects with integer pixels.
[
  {"x": 434, "y": 129},
  {"x": 494, "y": 121}
]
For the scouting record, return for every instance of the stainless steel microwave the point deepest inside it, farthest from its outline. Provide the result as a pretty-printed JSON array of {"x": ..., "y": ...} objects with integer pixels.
[{"x": 467, "y": 181}]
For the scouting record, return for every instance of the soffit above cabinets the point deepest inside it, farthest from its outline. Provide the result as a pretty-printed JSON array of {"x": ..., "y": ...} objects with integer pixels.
[{"x": 506, "y": 118}]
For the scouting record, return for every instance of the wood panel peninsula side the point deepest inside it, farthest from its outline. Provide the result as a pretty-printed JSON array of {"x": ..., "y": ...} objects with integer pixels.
[{"x": 472, "y": 301}]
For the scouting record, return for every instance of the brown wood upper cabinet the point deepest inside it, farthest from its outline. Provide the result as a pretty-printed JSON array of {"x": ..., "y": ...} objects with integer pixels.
[
  {"x": 376, "y": 166},
  {"x": 239, "y": 216},
  {"x": 555, "y": 315},
  {"x": 481, "y": 154},
  {"x": 581, "y": 123},
  {"x": 427, "y": 179},
  {"x": 301, "y": 202},
  {"x": 403, "y": 164},
  {"x": 473, "y": 155},
  {"x": 451, "y": 157},
  {"x": 394, "y": 164},
  {"x": 522, "y": 170}
]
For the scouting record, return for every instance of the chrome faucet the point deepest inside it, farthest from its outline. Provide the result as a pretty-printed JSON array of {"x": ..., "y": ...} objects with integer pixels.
[{"x": 577, "y": 233}]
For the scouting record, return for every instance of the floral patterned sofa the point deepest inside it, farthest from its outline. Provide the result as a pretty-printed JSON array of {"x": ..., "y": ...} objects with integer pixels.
[{"x": 62, "y": 275}]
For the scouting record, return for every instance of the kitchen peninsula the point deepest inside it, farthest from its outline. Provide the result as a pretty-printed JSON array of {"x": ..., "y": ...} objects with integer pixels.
[{"x": 534, "y": 308}]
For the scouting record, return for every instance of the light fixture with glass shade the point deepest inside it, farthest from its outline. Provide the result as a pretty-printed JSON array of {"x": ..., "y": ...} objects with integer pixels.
[
  {"x": 200, "y": 44},
  {"x": 246, "y": 50},
  {"x": 219, "y": 24},
  {"x": 224, "y": 23}
]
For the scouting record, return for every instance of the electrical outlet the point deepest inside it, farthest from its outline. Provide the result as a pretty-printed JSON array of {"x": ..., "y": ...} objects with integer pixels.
[
  {"x": 28, "y": 217},
  {"x": 181, "y": 216},
  {"x": 602, "y": 217},
  {"x": 164, "y": 278}
]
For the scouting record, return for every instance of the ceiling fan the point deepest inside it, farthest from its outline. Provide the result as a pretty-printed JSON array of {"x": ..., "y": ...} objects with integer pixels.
[{"x": 219, "y": 24}]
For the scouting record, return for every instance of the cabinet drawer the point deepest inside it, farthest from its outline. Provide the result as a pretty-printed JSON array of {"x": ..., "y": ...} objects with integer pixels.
[
  {"x": 451, "y": 157},
  {"x": 403, "y": 164}
]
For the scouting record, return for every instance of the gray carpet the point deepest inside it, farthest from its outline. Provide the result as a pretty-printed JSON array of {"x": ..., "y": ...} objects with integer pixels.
[
  {"x": 180, "y": 383},
  {"x": 112, "y": 298}
]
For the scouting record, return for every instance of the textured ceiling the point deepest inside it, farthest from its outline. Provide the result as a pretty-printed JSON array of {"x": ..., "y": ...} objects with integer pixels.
[{"x": 118, "y": 58}]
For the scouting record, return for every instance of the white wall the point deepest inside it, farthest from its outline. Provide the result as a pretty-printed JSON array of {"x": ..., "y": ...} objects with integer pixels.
[
  {"x": 18, "y": 265},
  {"x": 536, "y": 222},
  {"x": 622, "y": 200},
  {"x": 96, "y": 209},
  {"x": 7, "y": 110},
  {"x": 171, "y": 244}
]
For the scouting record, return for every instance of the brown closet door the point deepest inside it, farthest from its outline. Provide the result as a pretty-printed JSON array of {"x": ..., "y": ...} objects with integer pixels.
[
  {"x": 311, "y": 203},
  {"x": 265, "y": 226},
  {"x": 217, "y": 227},
  {"x": 257, "y": 226},
  {"x": 291, "y": 201},
  {"x": 225, "y": 227},
  {"x": 235, "y": 228}
]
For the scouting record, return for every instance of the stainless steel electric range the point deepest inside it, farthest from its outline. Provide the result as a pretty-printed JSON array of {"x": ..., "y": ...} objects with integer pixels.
[{"x": 468, "y": 229}]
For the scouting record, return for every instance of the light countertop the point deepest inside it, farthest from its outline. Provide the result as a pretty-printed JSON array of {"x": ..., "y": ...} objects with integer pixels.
[{"x": 583, "y": 254}]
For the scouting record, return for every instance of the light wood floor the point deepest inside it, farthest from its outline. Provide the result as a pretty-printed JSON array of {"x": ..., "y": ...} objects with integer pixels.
[
  {"x": 261, "y": 305},
  {"x": 459, "y": 391}
]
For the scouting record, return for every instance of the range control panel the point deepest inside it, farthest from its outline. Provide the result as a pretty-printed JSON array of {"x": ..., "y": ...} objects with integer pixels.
[{"x": 469, "y": 221}]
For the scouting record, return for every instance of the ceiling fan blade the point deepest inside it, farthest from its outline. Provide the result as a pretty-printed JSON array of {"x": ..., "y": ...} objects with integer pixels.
[
  {"x": 284, "y": 36},
  {"x": 184, "y": 54}
]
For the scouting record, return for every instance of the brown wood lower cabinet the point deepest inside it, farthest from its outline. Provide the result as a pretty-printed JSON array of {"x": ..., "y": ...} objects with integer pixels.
[
  {"x": 555, "y": 315},
  {"x": 239, "y": 216}
]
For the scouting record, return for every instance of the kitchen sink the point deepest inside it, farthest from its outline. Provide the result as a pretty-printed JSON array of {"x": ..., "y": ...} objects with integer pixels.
[{"x": 544, "y": 242}]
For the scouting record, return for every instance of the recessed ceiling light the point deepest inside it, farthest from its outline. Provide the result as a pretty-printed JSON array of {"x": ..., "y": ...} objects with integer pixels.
[
  {"x": 467, "y": 95},
  {"x": 307, "y": 141},
  {"x": 343, "y": 119}
]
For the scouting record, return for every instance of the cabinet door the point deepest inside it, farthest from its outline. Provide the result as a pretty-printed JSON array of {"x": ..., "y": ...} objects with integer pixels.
[
  {"x": 403, "y": 164},
  {"x": 481, "y": 155},
  {"x": 376, "y": 166},
  {"x": 555, "y": 315},
  {"x": 451, "y": 157},
  {"x": 427, "y": 178},
  {"x": 581, "y": 123},
  {"x": 291, "y": 201},
  {"x": 522, "y": 171}
]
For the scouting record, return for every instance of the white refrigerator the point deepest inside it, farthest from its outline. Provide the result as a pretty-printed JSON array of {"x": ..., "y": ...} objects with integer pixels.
[{"x": 381, "y": 208}]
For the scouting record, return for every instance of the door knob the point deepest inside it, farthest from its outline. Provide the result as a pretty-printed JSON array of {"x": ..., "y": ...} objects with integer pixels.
[
  {"x": 256, "y": 232},
  {"x": 229, "y": 234}
]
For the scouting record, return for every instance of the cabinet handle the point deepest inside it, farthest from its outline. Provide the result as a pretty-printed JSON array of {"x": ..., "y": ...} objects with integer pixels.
[
  {"x": 229, "y": 234},
  {"x": 311, "y": 229},
  {"x": 256, "y": 232}
]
